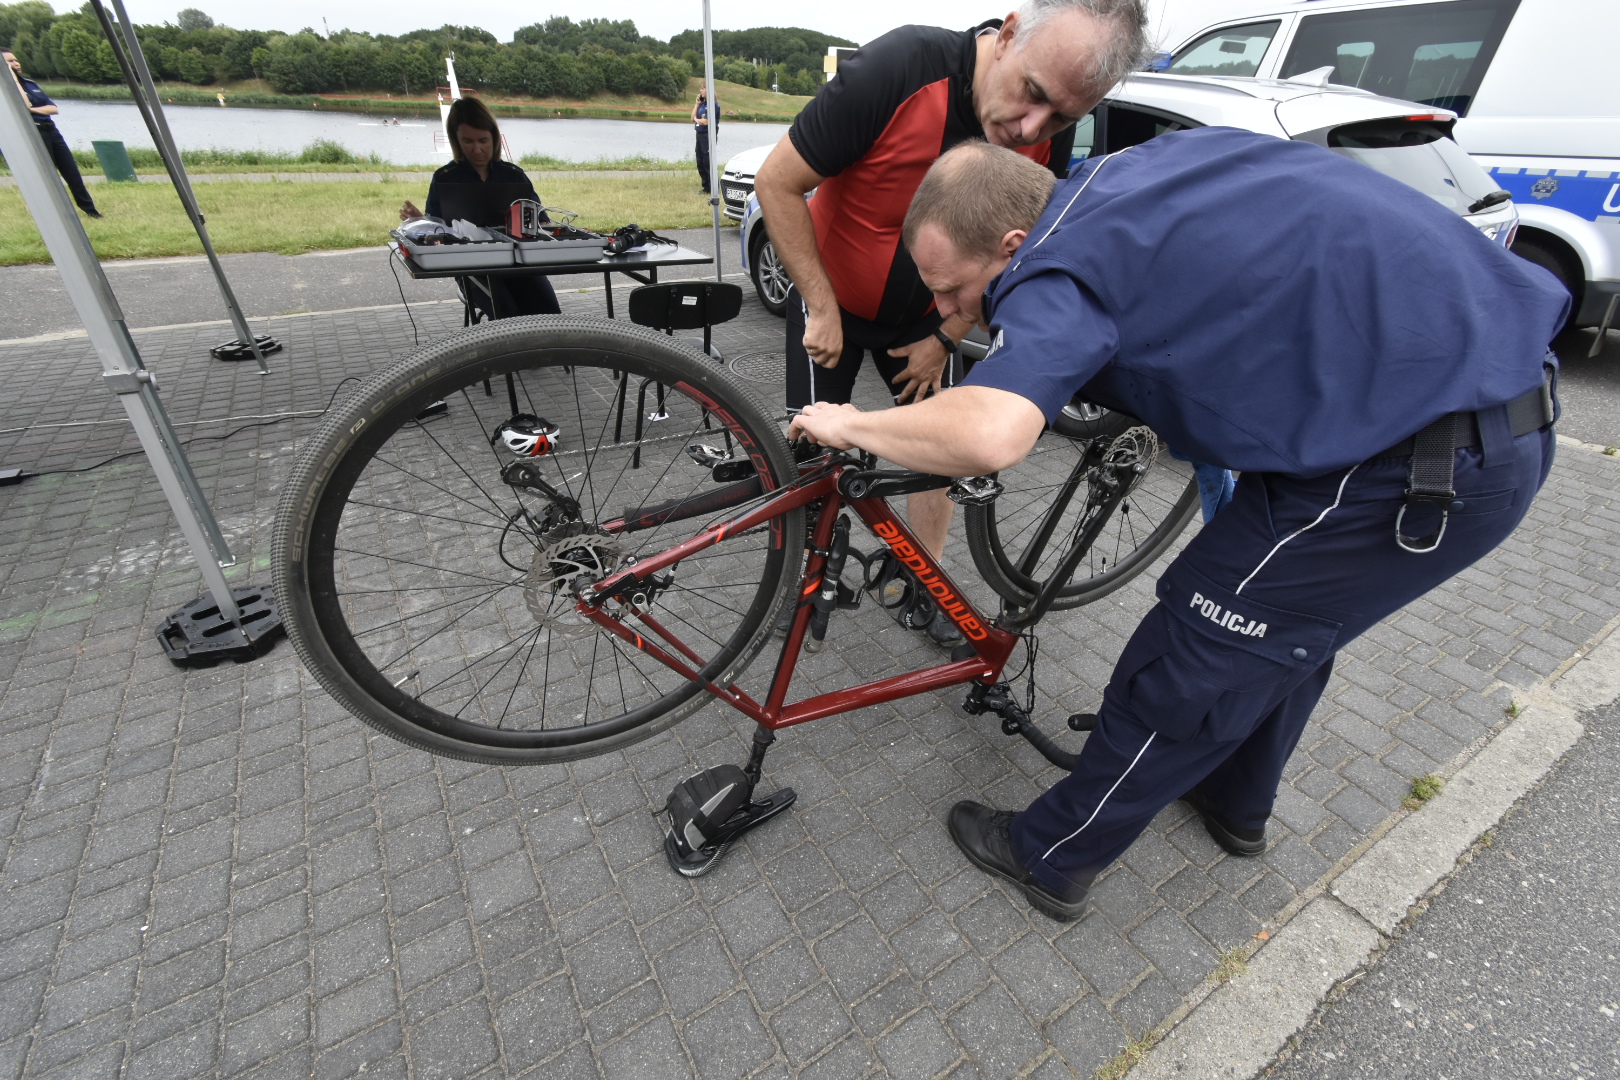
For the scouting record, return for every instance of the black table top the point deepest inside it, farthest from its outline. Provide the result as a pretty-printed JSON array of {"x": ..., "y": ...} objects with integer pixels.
[{"x": 658, "y": 255}]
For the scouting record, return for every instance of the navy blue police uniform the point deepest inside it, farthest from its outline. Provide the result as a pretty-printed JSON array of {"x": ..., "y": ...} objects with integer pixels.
[
  {"x": 703, "y": 141},
  {"x": 1276, "y": 309},
  {"x": 58, "y": 147},
  {"x": 506, "y": 296}
]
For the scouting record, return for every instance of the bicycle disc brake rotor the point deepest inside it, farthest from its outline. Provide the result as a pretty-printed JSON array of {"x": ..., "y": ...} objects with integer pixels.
[
  {"x": 569, "y": 557},
  {"x": 1133, "y": 445}
]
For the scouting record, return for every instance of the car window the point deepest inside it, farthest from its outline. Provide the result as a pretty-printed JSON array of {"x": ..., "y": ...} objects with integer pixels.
[
  {"x": 1085, "y": 137},
  {"x": 1433, "y": 53},
  {"x": 1236, "y": 50},
  {"x": 1419, "y": 155},
  {"x": 1125, "y": 126}
]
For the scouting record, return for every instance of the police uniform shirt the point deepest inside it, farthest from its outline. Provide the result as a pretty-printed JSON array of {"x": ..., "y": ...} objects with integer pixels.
[
  {"x": 37, "y": 99},
  {"x": 1263, "y": 304},
  {"x": 459, "y": 172}
]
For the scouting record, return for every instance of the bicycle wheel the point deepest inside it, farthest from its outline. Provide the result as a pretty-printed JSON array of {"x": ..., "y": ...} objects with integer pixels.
[
  {"x": 427, "y": 557},
  {"x": 1022, "y": 537}
]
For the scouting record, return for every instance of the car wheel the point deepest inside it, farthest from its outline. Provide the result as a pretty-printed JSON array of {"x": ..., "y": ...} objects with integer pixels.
[
  {"x": 1556, "y": 263},
  {"x": 771, "y": 279}
]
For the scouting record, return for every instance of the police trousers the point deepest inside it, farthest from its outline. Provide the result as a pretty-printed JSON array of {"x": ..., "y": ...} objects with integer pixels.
[
  {"x": 1216, "y": 684},
  {"x": 67, "y": 165}
]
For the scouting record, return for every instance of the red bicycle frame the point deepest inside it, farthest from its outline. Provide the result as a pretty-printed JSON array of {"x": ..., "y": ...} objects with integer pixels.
[{"x": 991, "y": 645}]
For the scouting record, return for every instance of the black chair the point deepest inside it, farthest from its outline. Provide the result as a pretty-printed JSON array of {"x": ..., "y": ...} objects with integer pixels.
[{"x": 686, "y": 305}]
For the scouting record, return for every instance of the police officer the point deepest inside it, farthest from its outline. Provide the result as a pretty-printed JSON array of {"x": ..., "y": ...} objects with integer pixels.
[
  {"x": 700, "y": 125},
  {"x": 42, "y": 108},
  {"x": 1375, "y": 368}
]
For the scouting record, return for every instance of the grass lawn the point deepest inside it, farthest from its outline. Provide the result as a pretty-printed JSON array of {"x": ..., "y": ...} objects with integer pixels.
[{"x": 145, "y": 220}]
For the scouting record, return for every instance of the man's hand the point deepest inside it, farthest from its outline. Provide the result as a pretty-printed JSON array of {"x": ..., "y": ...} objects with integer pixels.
[
  {"x": 409, "y": 211},
  {"x": 924, "y": 371},
  {"x": 824, "y": 338},
  {"x": 825, "y": 424}
]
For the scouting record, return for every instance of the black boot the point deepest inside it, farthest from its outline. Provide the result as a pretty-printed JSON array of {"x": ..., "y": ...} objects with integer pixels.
[
  {"x": 982, "y": 835},
  {"x": 1244, "y": 843}
]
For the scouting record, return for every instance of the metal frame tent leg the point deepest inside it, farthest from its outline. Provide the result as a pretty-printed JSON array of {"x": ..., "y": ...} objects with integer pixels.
[
  {"x": 126, "y": 49},
  {"x": 122, "y": 369}
]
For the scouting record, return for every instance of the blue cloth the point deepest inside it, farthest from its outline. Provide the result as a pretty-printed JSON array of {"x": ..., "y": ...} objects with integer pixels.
[
  {"x": 1264, "y": 305},
  {"x": 1216, "y": 684},
  {"x": 1215, "y": 485},
  {"x": 37, "y": 98}
]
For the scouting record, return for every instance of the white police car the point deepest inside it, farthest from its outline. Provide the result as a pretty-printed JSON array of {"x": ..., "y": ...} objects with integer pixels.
[
  {"x": 1539, "y": 107},
  {"x": 770, "y": 278}
]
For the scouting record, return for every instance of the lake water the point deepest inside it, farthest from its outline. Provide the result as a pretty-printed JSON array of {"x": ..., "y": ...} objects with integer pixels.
[{"x": 410, "y": 143}]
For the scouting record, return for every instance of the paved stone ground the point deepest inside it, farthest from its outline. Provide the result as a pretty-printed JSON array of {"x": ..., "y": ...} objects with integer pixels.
[{"x": 219, "y": 872}]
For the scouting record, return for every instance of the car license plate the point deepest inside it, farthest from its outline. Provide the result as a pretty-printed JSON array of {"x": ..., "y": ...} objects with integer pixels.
[{"x": 737, "y": 194}]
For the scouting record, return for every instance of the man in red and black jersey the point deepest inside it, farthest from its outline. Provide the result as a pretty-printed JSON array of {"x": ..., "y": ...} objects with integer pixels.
[{"x": 863, "y": 145}]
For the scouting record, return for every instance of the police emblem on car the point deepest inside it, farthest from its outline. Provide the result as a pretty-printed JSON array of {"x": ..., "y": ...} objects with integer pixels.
[{"x": 1544, "y": 188}]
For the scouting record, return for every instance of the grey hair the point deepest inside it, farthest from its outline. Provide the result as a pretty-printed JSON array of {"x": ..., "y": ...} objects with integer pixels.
[{"x": 1126, "y": 48}]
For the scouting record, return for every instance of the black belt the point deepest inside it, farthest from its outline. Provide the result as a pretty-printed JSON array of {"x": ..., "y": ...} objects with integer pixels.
[
  {"x": 1530, "y": 411},
  {"x": 1432, "y": 450}
]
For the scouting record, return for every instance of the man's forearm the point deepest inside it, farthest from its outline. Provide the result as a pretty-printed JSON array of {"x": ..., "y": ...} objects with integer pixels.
[
  {"x": 966, "y": 431},
  {"x": 781, "y": 194}
]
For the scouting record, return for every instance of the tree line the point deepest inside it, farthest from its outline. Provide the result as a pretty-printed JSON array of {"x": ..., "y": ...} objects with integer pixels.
[{"x": 554, "y": 58}]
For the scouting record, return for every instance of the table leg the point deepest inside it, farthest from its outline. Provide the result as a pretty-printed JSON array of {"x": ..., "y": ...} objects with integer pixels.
[{"x": 607, "y": 288}]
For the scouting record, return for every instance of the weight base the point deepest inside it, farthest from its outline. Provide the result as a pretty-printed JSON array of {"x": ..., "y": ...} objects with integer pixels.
[
  {"x": 704, "y": 859},
  {"x": 237, "y": 349},
  {"x": 199, "y": 634}
]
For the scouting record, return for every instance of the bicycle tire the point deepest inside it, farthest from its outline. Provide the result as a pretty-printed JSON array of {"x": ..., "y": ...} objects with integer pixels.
[
  {"x": 401, "y": 551},
  {"x": 1167, "y": 495}
]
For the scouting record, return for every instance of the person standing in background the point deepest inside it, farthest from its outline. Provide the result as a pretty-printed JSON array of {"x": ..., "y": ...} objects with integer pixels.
[
  {"x": 42, "y": 108},
  {"x": 700, "y": 123}
]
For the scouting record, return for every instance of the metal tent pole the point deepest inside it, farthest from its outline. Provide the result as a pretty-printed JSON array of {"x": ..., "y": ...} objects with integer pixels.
[
  {"x": 711, "y": 129},
  {"x": 126, "y": 48},
  {"x": 122, "y": 369}
]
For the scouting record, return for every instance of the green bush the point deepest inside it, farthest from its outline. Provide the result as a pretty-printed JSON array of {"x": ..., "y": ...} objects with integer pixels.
[{"x": 327, "y": 152}]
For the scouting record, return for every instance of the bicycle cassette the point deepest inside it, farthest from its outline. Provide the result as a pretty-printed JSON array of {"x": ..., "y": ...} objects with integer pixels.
[{"x": 527, "y": 435}]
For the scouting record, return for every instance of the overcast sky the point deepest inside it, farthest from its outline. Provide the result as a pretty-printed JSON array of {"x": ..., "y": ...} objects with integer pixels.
[{"x": 859, "y": 20}]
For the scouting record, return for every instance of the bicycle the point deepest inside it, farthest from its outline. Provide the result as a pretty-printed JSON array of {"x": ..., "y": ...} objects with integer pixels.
[{"x": 572, "y": 565}]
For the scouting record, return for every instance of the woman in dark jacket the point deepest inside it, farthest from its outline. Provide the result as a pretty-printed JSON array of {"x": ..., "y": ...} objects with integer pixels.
[{"x": 475, "y": 140}]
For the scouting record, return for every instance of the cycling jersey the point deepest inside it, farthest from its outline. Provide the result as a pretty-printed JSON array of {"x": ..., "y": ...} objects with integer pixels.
[{"x": 893, "y": 108}]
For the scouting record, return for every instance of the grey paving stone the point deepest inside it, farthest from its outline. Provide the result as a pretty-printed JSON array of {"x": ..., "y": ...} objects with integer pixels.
[
  {"x": 918, "y": 1049},
  {"x": 814, "y": 1023},
  {"x": 1038, "y": 976},
  {"x": 729, "y": 1039},
  {"x": 455, "y": 1043},
  {"x": 538, "y": 1024},
  {"x": 606, "y": 964},
  {"x": 626, "y": 1012},
  {"x": 856, "y": 959},
  {"x": 694, "y": 973},
  {"x": 263, "y": 837},
  {"x": 1087, "y": 1036},
  {"x": 781, "y": 974},
  {"x": 996, "y": 1033}
]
